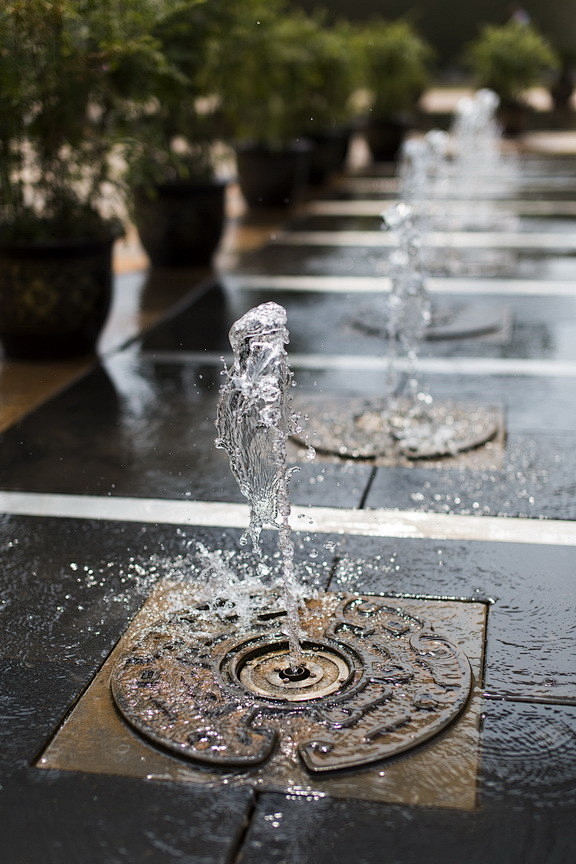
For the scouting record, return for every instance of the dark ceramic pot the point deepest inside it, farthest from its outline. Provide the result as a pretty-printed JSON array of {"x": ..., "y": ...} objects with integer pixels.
[
  {"x": 273, "y": 178},
  {"x": 54, "y": 298},
  {"x": 180, "y": 224},
  {"x": 328, "y": 154},
  {"x": 385, "y": 137},
  {"x": 514, "y": 117}
]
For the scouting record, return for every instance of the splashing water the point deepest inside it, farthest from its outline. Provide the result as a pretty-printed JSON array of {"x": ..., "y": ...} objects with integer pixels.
[
  {"x": 409, "y": 303},
  {"x": 254, "y": 419}
]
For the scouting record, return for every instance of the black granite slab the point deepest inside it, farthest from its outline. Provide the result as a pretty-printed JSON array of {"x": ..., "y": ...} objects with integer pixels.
[
  {"x": 300, "y": 830},
  {"x": 530, "y": 588},
  {"x": 535, "y": 480},
  {"x": 336, "y": 323},
  {"x": 539, "y": 165},
  {"x": 67, "y": 590},
  {"x": 144, "y": 429},
  {"x": 51, "y": 817},
  {"x": 529, "y": 225},
  {"x": 371, "y": 188},
  {"x": 136, "y": 428},
  {"x": 340, "y": 260}
]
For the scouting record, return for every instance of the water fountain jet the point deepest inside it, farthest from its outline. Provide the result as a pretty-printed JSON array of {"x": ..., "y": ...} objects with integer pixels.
[
  {"x": 407, "y": 423},
  {"x": 370, "y": 679}
]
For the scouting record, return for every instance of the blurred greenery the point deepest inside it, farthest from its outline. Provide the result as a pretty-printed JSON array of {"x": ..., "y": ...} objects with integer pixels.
[
  {"x": 510, "y": 58},
  {"x": 397, "y": 63},
  {"x": 68, "y": 70}
]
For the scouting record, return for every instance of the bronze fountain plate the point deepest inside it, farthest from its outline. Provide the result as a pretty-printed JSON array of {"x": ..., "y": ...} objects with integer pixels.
[
  {"x": 197, "y": 699},
  {"x": 397, "y": 433}
]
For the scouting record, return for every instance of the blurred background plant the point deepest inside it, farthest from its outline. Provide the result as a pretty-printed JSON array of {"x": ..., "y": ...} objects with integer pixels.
[
  {"x": 511, "y": 58},
  {"x": 170, "y": 135},
  {"x": 69, "y": 69},
  {"x": 397, "y": 66},
  {"x": 396, "y": 70},
  {"x": 263, "y": 70}
]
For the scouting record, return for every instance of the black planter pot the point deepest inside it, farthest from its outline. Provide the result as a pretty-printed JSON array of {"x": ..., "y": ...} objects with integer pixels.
[
  {"x": 514, "y": 118},
  {"x": 181, "y": 223},
  {"x": 54, "y": 298},
  {"x": 273, "y": 178},
  {"x": 328, "y": 154},
  {"x": 385, "y": 136}
]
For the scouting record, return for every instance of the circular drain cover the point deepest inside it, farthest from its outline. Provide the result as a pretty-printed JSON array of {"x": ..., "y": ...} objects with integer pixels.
[
  {"x": 448, "y": 322},
  {"x": 369, "y": 429},
  {"x": 372, "y": 681}
]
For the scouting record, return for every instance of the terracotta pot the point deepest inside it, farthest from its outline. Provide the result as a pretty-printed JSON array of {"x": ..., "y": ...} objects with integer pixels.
[
  {"x": 181, "y": 223},
  {"x": 54, "y": 298}
]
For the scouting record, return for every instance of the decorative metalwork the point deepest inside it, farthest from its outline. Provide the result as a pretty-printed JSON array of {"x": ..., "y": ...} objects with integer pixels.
[
  {"x": 372, "y": 681},
  {"x": 370, "y": 429},
  {"x": 457, "y": 321}
]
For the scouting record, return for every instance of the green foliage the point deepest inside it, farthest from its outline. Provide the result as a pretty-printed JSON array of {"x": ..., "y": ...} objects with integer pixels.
[
  {"x": 171, "y": 134},
  {"x": 396, "y": 62},
  {"x": 335, "y": 75},
  {"x": 279, "y": 72},
  {"x": 259, "y": 71},
  {"x": 510, "y": 58},
  {"x": 68, "y": 70}
]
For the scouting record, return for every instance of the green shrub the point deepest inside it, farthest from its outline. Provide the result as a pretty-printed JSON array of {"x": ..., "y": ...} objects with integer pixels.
[{"x": 511, "y": 58}]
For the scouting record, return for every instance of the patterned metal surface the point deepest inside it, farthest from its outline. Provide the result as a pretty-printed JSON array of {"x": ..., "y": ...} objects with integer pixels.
[
  {"x": 371, "y": 429},
  {"x": 373, "y": 681}
]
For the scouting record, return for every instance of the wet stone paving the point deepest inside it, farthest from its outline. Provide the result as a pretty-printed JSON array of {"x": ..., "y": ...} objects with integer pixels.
[{"x": 113, "y": 490}]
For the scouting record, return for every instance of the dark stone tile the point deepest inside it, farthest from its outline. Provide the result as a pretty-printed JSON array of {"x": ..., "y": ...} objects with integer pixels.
[
  {"x": 531, "y": 628},
  {"x": 136, "y": 428},
  {"x": 335, "y": 323},
  {"x": 343, "y": 222},
  {"x": 301, "y": 830},
  {"x": 534, "y": 481},
  {"x": 528, "y": 755},
  {"x": 58, "y": 581},
  {"x": 34, "y": 699},
  {"x": 323, "y": 260},
  {"x": 53, "y": 817},
  {"x": 201, "y": 324}
]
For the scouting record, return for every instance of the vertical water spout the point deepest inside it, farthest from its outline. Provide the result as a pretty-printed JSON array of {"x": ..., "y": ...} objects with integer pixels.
[
  {"x": 409, "y": 303},
  {"x": 254, "y": 419}
]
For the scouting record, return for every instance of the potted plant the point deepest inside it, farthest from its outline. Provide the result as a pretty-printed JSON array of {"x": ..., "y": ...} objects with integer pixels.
[
  {"x": 335, "y": 78},
  {"x": 509, "y": 59},
  {"x": 262, "y": 72},
  {"x": 396, "y": 63},
  {"x": 178, "y": 203},
  {"x": 66, "y": 67}
]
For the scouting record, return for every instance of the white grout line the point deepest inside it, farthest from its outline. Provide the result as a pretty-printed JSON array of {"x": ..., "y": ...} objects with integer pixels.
[
  {"x": 453, "y": 239},
  {"x": 380, "y": 284},
  {"x": 372, "y": 207},
  {"x": 324, "y": 520},
  {"x": 368, "y": 363}
]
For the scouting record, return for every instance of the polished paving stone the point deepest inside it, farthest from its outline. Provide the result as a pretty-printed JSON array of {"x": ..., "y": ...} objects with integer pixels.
[
  {"x": 140, "y": 427},
  {"x": 324, "y": 322}
]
